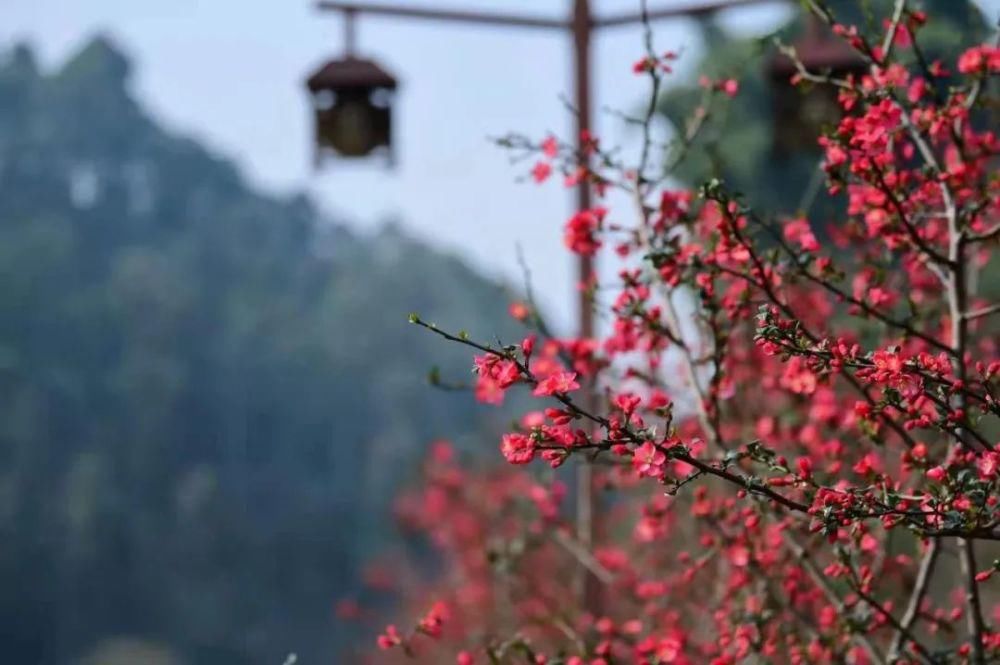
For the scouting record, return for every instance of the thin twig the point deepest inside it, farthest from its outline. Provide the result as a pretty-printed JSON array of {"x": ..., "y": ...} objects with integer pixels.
[{"x": 920, "y": 585}]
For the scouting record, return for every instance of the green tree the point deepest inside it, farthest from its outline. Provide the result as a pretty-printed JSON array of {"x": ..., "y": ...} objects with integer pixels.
[{"x": 208, "y": 393}]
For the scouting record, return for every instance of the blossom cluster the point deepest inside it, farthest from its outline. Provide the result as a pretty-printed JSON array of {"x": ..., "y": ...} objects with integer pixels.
[{"x": 792, "y": 425}]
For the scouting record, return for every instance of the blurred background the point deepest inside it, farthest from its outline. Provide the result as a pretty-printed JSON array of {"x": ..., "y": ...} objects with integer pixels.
[{"x": 210, "y": 394}]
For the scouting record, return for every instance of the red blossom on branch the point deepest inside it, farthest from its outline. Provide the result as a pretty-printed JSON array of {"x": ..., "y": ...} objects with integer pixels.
[
  {"x": 826, "y": 461},
  {"x": 561, "y": 382}
]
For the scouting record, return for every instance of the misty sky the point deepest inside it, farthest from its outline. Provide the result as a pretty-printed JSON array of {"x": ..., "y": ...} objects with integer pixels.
[{"x": 230, "y": 72}]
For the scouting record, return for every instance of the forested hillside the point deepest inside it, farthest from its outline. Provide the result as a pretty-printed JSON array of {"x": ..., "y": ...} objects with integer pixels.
[{"x": 208, "y": 394}]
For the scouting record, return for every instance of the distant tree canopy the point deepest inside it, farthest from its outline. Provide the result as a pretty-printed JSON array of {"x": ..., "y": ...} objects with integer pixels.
[
  {"x": 184, "y": 366},
  {"x": 745, "y": 159}
]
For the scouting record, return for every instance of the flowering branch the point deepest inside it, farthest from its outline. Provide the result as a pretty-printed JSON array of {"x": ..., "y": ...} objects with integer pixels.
[{"x": 757, "y": 388}]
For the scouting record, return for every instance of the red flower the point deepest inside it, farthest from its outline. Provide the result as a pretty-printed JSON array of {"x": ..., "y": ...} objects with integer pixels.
[
  {"x": 580, "y": 232},
  {"x": 433, "y": 621},
  {"x": 937, "y": 473},
  {"x": 988, "y": 465},
  {"x": 644, "y": 64},
  {"x": 805, "y": 466},
  {"x": 517, "y": 448},
  {"x": 799, "y": 232},
  {"x": 561, "y": 382},
  {"x": 980, "y": 59},
  {"x": 550, "y": 147},
  {"x": 627, "y": 402},
  {"x": 389, "y": 638},
  {"x": 648, "y": 460},
  {"x": 518, "y": 310},
  {"x": 541, "y": 171},
  {"x": 487, "y": 391},
  {"x": 870, "y": 463},
  {"x": 528, "y": 345},
  {"x": 730, "y": 87},
  {"x": 739, "y": 556},
  {"x": 496, "y": 375}
]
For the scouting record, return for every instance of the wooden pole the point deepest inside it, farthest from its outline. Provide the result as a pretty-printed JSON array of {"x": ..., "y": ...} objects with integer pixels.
[{"x": 582, "y": 23}]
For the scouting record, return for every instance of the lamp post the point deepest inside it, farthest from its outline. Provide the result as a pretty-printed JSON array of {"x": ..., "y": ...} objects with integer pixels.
[{"x": 581, "y": 24}]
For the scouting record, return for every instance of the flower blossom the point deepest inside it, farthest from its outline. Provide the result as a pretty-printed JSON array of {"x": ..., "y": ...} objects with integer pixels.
[
  {"x": 648, "y": 460},
  {"x": 560, "y": 382}
]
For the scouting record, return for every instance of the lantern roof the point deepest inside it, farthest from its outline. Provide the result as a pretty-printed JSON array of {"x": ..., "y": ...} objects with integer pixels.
[
  {"x": 818, "y": 49},
  {"x": 350, "y": 72}
]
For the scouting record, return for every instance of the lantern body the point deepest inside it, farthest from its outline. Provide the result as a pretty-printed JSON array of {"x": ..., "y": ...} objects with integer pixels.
[
  {"x": 801, "y": 114},
  {"x": 352, "y": 107}
]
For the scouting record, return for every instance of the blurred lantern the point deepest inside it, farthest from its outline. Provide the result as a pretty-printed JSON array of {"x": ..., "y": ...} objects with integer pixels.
[
  {"x": 800, "y": 114},
  {"x": 352, "y": 102}
]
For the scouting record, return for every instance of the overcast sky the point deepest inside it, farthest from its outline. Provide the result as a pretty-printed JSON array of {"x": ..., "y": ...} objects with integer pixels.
[{"x": 230, "y": 72}]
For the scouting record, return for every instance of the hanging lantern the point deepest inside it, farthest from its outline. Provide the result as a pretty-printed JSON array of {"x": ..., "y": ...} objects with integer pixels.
[
  {"x": 352, "y": 103},
  {"x": 801, "y": 114}
]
